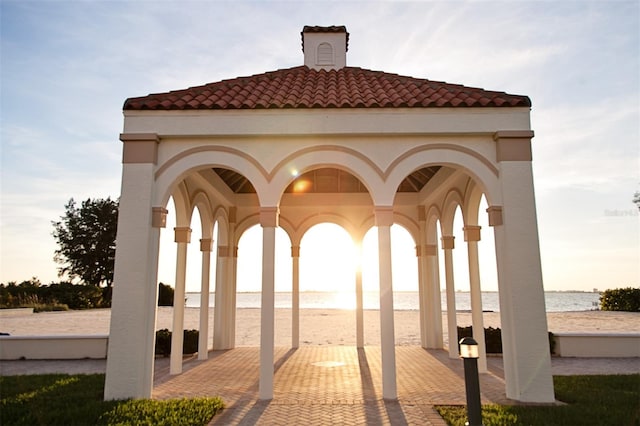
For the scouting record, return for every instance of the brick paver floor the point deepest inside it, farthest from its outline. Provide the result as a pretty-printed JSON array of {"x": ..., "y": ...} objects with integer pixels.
[{"x": 328, "y": 385}]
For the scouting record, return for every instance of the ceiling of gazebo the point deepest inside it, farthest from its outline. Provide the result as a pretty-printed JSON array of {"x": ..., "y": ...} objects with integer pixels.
[{"x": 326, "y": 181}]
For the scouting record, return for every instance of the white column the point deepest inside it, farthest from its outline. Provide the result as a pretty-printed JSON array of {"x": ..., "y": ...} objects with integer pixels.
[
  {"x": 359, "y": 299},
  {"x": 269, "y": 222},
  {"x": 130, "y": 357},
  {"x": 182, "y": 237},
  {"x": 221, "y": 311},
  {"x": 234, "y": 287},
  {"x": 384, "y": 220},
  {"x": 422, "y": 277},
  {"x": 522, "y": 306},
  {"x": 206, "y": 245},
  {"x": 472, "y": 236},
  {"x": 452, "y": 324},
  {"x": 433, "y": 314},
  {"x": 232, "y": 266},
  {"x": 295, "y": 297}
]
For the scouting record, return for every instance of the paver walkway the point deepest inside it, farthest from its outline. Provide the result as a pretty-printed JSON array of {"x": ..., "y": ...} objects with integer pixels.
[{"x": 328, "y": 385}]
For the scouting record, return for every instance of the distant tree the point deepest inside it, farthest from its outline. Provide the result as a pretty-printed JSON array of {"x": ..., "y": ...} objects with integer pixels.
[
  {"x": 87, "y": 239},
  {"x": 636, "y": 199}
]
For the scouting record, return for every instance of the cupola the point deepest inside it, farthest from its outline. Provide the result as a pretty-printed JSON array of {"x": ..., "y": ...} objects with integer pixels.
[{"x": 325, "y": 48}]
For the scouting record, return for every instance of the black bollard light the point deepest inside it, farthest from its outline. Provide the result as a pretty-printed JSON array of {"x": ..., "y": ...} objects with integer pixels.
[{"x": 469, "y": 354}]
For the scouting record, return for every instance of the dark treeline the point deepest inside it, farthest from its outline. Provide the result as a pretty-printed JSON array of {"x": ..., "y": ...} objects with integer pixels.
[{"x": 65, "y": 295}]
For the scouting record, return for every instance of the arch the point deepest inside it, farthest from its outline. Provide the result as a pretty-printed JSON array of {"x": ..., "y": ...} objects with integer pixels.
[
  {"x": 329, "y": 156},
  {"x": 433, "y": 217},
  {"x": 333, "y": 218},
  {"x": 245, "y": 224},
  {"x": 409, "y": 225},
  {"x": 452, "y": 201},
  {"x": 475, "y": 165},
  {"x": 201, "y": 201},
  {"x": 181, "y": 204},
  {"x": 181, "y": 165},
  {"x": 471, "y": 206},
  {"x": 221, "y": 216}
]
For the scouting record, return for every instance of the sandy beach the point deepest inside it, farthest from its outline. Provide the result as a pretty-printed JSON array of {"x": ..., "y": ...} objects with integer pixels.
[{"x": 317, "y": 326}]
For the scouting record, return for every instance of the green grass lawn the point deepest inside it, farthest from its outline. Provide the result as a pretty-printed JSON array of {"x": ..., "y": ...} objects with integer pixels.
[
  {"x": 60, "y": 399},
  {"x": 590, "y": 400}
]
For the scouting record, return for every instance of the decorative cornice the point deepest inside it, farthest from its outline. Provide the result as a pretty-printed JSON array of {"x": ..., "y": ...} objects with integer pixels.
[{"x": 140, "y": 148}]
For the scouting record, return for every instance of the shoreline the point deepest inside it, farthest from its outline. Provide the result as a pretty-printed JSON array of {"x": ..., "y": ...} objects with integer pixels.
[{"x": 317, "y": 326}]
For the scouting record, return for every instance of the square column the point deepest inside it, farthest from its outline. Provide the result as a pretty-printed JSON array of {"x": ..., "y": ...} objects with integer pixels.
[
  {"x": 472, "y": 236},
  {"x": 130, "y": 356},
  {"x": 269, "y": 223},
  {"x": 206, "y": 245},
  {"x": 522, "y": 305},
  {"x": 384, "y": 220},
  {"x": 452, "y": 321},
  {"x": 433, "y": 305},
  {"x": 295, "y": 297},
  {"x": 183, "y": 238}
]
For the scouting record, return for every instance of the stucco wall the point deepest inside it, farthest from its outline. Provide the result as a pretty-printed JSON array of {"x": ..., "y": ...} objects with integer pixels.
[
  {"x": 585, "y": 345},
  {"x": 53, "y": 347}
]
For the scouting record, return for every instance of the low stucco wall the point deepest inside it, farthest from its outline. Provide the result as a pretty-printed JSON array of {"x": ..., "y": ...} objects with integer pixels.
[
  {"x": 15, "y": 312},
  {"x": 597, "y": 345},
  {"x": 53, "y": 347}
]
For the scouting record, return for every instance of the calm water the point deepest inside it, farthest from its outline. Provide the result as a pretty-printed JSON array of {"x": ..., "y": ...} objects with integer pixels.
[{"x": 555, "y": 301}]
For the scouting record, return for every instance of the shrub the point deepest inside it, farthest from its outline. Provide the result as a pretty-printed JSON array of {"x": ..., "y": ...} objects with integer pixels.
[
  {"x": 163, "y": 342},
  {"x": 493, "y": 339},
  {"x": 620, "y": 299},
  {"x": 165, "y": 295}
]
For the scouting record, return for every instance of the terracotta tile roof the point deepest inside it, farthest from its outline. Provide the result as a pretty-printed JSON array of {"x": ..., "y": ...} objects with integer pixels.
[{"x": 302, "y": 87}]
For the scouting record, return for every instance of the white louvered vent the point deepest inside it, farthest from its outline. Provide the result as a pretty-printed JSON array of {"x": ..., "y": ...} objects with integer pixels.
[{"x": 325, "y": 54}]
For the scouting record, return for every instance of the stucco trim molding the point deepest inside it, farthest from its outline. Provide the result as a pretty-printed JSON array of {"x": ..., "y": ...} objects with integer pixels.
[
  {"x": 140, "y": 148},
  {"x": 182, "y": 234},
  {"x": 269, "y": 217},
  {"x": 513, "y": 145},
  {"x": 206, "y": 245},
  {"x": 159, "y": 217},
  {"x": 471, "y": 233},
  {"x": 448, "y": 242},
  {"x": 383, "y": 215},
  {"x": 495, "y": 215}
]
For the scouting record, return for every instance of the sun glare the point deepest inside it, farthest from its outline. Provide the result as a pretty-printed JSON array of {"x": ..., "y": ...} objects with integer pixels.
[{"x": 343, "y": 300}]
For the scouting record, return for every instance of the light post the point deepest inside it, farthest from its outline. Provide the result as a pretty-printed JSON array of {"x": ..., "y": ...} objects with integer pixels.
[{"x": 469, "y": 353}]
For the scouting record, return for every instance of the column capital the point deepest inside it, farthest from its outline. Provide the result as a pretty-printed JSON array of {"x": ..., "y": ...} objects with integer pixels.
[
  {"x": 513, "y": 145},
  {"x": 223, "y": 251},
  {"x": 140, "y": 147},
  {"x": 269, "y": 217},
  {"x": 472, "y": 232},
  {"x": 295, "y": 251},
  {"x": 430, "y": 249},
  {"x": 235, "y": 251},
  {"x": 206, "y": 244},
  {"x": 383, "y": 215},
  {"x": 159, "y": 217},
  {"x": 448, "y": 242},
  {"x": 182, "y": 234},
  {"x": 495, "y": 215}
]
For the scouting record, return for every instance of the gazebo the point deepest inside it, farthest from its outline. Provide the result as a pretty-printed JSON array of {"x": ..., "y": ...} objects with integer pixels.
[{"x": 324, "y": 142}]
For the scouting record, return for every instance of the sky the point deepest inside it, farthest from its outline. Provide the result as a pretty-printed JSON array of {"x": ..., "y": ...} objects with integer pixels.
[{"x": 68, "y": 66}]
